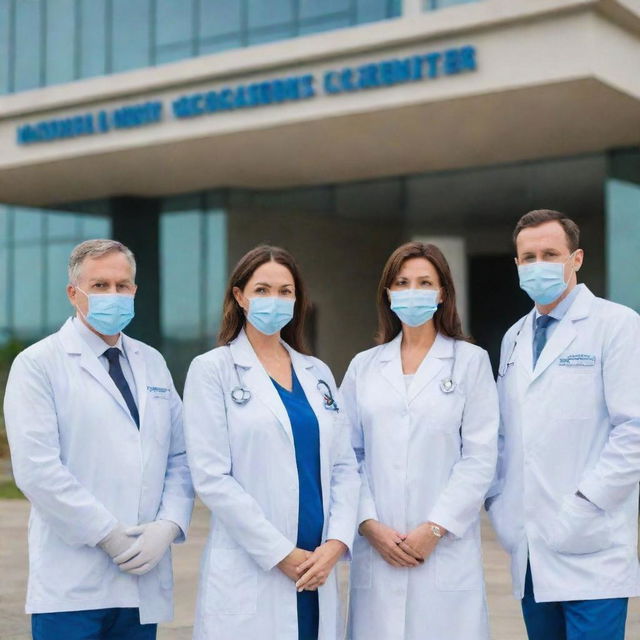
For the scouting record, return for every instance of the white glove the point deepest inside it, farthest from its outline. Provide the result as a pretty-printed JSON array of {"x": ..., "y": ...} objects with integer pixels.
[
  {"x": 117, "y": 541},
  {"x": 154, "y": 538}
]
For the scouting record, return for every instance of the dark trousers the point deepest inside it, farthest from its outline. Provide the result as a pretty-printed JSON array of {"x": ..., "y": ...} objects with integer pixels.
[
  {"x": 574, "y": 619},
  {"x": 96, "y": 624}
]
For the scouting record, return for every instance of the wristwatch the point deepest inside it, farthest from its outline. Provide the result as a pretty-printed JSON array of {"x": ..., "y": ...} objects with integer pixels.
[{"x": 436, "y": 530}]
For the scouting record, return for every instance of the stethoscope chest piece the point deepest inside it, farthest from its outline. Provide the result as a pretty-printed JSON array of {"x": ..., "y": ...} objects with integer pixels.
[
  {"x": 447, "y": 385},
  {"x": 240, "y": 395}
]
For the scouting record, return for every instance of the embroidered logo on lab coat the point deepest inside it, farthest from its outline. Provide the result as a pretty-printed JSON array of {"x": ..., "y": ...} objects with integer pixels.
[
  {"x": 578, "y": 360},
  {"x": 158, "y": 392}
]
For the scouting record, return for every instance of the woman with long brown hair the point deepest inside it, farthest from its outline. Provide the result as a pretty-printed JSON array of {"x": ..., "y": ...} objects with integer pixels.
[
  {"x": 271, "y": 458},
  {"x": 424, "y": 414}
]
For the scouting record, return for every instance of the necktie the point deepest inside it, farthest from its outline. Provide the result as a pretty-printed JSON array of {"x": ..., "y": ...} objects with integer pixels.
[
  {"x": 540, "y": 336},
  {"x": 115, "y": 371}
]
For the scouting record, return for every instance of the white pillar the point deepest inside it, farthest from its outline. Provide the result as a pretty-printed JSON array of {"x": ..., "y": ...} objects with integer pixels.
[{"x": 412, "y": 8}]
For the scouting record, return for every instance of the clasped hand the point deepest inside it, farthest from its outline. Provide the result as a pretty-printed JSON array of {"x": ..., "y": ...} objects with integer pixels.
[
  {"x": 137, "y": 550},
  {"x": 310, "y": 570},
  {"x": 400, "y": 550}
]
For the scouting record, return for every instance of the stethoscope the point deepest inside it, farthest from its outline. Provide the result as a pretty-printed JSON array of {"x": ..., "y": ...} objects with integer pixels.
[
  {"x": 448, "y": 385},
  {"x": 502, "y": 371},
  {"x": 241, "y": 394}
]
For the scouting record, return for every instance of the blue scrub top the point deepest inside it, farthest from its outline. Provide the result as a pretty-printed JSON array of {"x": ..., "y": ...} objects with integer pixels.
[{"x": 306, "y": 439}]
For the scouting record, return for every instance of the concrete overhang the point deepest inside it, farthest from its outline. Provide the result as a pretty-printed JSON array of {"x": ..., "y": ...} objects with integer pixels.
[{"x": 553, "y": 78}]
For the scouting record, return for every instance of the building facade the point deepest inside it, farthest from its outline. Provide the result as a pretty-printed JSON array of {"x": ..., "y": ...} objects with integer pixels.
[{"x": 194, "y": 130}]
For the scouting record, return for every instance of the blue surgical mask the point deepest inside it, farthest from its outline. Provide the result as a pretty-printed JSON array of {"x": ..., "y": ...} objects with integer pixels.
[
  {"x": 414, "y": 307},
  {"x": 543, "y": 281},
  {"x": 269, "y": 314},
  {"x": 109, "y": 313}
]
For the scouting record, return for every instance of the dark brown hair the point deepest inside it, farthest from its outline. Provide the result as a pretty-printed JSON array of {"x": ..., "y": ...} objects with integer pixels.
[
  {"x": 446, "y": 318},
  {"x": 540, "y": 216},
  {"x": 233, "y": 317}
]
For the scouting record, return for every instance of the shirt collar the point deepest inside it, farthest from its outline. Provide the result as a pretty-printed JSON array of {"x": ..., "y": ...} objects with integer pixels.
[
  {"x": 561, "y": 309},
  {"x": 94, "y": 341}
]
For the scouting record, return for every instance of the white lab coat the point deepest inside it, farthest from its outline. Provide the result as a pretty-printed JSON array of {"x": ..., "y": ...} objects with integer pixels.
[
  {"x": 572, "y": 423},
  {"x": 425, "y": 455},
  {"x": 79, "y": 458},
  {"x": 244, "y": 469}
]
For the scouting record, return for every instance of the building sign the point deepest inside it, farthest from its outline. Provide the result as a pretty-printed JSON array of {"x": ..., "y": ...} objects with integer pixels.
[{"x": 333, "y": 82}]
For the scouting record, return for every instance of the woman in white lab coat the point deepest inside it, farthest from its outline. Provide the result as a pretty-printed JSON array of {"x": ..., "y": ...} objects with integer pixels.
[
  {"x": 424, "y": 411},
  {"x": 270, "y": 456}
]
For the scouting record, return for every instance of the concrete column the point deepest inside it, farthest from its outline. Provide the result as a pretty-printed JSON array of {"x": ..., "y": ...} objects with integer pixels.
[
  {"x": 412, "y": 8},
  {"x": 135, "y": 223}
]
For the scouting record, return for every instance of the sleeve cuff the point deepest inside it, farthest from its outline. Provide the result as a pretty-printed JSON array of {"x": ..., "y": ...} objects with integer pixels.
[
  {"x": 282, "y": 550},
  {"x": 456, "y": 528},
  {"x": 605, "y": 498}
]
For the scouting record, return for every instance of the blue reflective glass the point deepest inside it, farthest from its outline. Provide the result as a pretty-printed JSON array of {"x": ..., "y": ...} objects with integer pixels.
[
  {"x": 27, "y": 45},
  {"x": 27, "y": 288},
  {"x": 58, "y": 307},
  {"x": 180, "y": 274},
  {"x": 61, "y": 226},
  {"x": 60, "y": 32},
  {"x": 272, "y": 34},
  {"x": 93, "y": 40},
  {"x": 372, "y": 10},
  {"x": 130, "y": 42},
  {"x": 220, "y": 44},
  {"x": 442, "y": 4},
  {"x": 27, "y": 225},
  {"x": 315, "y": 9},
  {"x": 219, "y": 17},
  {"x": 5, "y": 23},
  {"x": 325, "y": 24},
  {"x": 4, "y": 224},
  {"x": 268, "y": 14},
  {"x": 215, "y": 268},
  {"x": 94, "y": 227},
  {"x": 174, "y": 30}
]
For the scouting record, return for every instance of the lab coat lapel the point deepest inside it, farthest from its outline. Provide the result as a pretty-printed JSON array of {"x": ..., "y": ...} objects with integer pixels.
[
  {"x": 433, "y": 366},
  {"x": 308, "y": 377},
  {"x": 391, "y": 365},
  {"x": 139, "y": 369},
  {"x": 255, "y": 378},
  {"x": 565, "y": 333},
  {"x": 75, "y": 345}
]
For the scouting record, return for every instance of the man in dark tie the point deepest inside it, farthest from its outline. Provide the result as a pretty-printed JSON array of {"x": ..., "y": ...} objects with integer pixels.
[
  {"x": 95, "y": 431},
  {"x": 565, "y": 500}
]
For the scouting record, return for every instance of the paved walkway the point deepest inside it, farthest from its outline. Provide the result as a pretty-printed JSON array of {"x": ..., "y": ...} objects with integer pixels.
[{"x": 14, "y": 625}]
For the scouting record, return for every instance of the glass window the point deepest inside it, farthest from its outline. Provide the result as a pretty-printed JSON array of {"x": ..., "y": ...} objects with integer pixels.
[
  {"x": 5, "y": 23},
  {"x": 315, "y": 9},
  {"x": 27, "y": 291},
  {"x": 130, "y": 41},
  {"x": 372, "y": 10},
  {"x": 441, "y": 4},
  {"x": 58, "y": 307},
  {"x": 272, "y": 34},
  {"x": 60, "y": 41},
  {"x": 93, "y": 41},
  {"x": 4, "y": 288},
  {"x": 94, "y": 227},
  {"x": 219, "y": 17},
  {"x": 180, "y": 274},
  {"x": 174, "y": 30},
  {"x": 216, "y": 269},
  {"x": 338, "y": 21},
  {"x": 27, "y": 225},
  {"x": 220, "y": 44},
  {"x": 61, "y": 226},
  {"x": 27, "y": 45},
  {"x": 269, "y": 14},
  {"x": 4, "y": 224}
]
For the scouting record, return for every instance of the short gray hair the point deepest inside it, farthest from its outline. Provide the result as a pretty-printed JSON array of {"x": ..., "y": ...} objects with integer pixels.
[{"x": 95, "y": 249}]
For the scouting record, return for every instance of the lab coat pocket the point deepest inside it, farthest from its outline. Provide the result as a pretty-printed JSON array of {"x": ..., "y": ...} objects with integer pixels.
[
  {"x": 232, "y": 583},
  {"x": 581, "y": 528},
  {"x": 361, "y": 564},
  {"x": 458, "y": 564}
]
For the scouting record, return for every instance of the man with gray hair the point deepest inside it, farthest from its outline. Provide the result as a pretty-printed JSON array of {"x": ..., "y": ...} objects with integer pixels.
[{"x": 95, "y": 431}]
